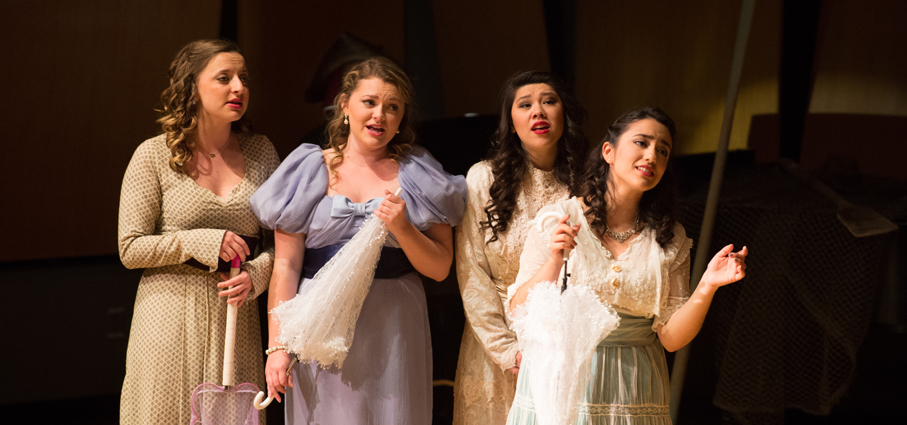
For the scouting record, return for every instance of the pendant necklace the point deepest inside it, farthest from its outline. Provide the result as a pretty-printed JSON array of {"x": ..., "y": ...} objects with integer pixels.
[{"x": 622, "y": 236}]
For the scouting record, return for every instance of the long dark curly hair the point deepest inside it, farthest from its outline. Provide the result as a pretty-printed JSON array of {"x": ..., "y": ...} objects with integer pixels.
[
  {"x": 179, "y": 109},
  {"x": 657, "y": 208},
  {"x": 510, "y": 162}
]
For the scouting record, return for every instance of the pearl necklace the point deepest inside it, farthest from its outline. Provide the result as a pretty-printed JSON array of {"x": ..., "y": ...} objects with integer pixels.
[{"x": 622, "y": 236}]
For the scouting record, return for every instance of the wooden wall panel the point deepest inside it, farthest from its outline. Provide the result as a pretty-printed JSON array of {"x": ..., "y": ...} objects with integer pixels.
[
  {"x": 284, "y": 43},
  {"x": 81, "y": 81},
  {"x": 676, "y": 55},
  {"x": 861, "y": 66},
  {"x": 481, "y": 43}
]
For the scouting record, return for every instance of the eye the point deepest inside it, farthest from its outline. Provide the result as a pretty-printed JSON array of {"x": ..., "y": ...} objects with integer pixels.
[
  {"x": 223, "y": 78},
  {"x": 369, "y": 102},
  {"x": 551, "y": 102},
  {"x": 394, "y": 108},
  {"x": 641, "y": 143},
  {"x": 244, "y": 78},
  {"x": 664, "y": 152}
]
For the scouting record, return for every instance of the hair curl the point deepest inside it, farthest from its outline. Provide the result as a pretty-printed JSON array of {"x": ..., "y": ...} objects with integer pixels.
[
  {"x": 179, "y": 110},
  {"x": 389, "y": 72},
  {"x": 657, "y": 208},
  {"x": 509, "y": 160}
]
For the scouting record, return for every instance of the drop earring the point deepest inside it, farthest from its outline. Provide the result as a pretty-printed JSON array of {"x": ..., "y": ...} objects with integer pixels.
[
  {"x": 346, "y": 119},
  {"x": 398, "y": 131}
]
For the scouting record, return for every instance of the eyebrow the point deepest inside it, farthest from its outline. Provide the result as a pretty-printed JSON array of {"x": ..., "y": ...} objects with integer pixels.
[
  {"x": 651, "y": 137},
  {"x": 375, "y": 96},
  {"x": 547, "y": 93}
]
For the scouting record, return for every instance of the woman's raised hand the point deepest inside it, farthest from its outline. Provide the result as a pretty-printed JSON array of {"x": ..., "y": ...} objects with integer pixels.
[
  {"x": 563, "y": 237},
  {"x": 726, "y": 267},
  {"x": 393, "y": 213},
  {"x": 231, "y": 246}
]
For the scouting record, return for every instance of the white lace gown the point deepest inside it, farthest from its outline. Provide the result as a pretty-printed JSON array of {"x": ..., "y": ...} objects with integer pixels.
[
  {"x": 645, "y": 285},
  {"x": 484, "y": 387}
]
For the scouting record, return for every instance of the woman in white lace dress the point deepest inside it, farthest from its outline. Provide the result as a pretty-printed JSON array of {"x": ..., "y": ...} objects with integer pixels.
[
  {"x": 629, "y": 249},
  {"x": 538, "y": 145}
]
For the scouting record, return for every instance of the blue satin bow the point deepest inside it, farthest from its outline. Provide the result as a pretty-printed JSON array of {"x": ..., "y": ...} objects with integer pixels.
[{"x": 343, "y": 207}]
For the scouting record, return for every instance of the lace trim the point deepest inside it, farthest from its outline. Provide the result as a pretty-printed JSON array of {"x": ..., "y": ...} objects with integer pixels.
[{"x": 587, "y": 409}]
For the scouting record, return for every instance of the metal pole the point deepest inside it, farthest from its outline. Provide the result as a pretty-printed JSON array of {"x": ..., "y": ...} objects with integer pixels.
[{"x": 711, "y": 204}]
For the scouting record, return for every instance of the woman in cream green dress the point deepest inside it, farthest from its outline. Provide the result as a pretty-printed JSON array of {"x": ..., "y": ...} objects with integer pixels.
[
  {"x": 184, "y": 214},
  {"x": 538, "y": 145},
  {"x": 630, "y": 250}
]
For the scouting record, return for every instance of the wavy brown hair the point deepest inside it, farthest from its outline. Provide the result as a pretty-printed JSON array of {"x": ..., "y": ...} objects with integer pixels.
[
  {"x": 510, "y": 162},
  {"x": 179, "y": 106},
  {"x": 338, "y": 133},
  {"x": 657, "y": 208}
]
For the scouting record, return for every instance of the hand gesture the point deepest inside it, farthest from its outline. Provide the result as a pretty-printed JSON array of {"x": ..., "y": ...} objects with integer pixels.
[
  {"x": 563, "y": 238},
  {"x": 241, "y": 286},
  {"x": 277, "y": 375},
  {"x": 393, "y": 213},
  {"x": 726, "y": 267},
  {"x": 231, "y": 246}
]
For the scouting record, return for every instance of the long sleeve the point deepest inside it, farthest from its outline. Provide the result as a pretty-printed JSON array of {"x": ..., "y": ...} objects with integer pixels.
[
  {"x": 481, "y": 302},
  {"x": 260, "y": 268},
  {"x": 140, "y": 210},
  {"x": 535, "y": 253}
]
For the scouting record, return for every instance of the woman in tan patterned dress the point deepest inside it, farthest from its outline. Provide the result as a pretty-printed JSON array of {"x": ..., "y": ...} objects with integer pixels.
[
  {"x": 184, "y": 213},
  {"x": 537, "y": 150}
]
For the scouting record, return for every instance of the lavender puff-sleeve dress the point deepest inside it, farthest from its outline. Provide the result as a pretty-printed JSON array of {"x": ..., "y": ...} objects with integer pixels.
[{"x": 386, "y": 377}]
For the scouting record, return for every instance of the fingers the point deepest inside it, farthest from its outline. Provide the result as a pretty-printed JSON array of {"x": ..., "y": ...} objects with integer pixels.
[
  {"x": 233, "y": 246},
  {"x": 726, "y": 250}
]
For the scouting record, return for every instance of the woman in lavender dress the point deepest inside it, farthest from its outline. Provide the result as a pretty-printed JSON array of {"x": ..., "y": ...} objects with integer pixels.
[{"x": 316, "y": 201}]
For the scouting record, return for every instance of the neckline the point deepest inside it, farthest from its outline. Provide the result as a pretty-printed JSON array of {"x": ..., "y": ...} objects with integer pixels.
[
  {"x": 604, "y": 250},
  {"x": 224, "y": 200}
]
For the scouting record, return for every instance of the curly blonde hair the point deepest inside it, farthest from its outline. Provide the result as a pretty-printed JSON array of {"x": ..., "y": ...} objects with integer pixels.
[
  {"x": 179, "y": 111},
  {"x": 338, "y": 132}
]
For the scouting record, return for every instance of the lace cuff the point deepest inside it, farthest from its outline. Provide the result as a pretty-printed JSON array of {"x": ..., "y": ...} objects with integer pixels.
[{"x": 674, "y": 304}]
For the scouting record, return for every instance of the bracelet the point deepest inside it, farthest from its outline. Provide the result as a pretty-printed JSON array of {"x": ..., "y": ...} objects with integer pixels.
[{"x": 275, "y": 348}]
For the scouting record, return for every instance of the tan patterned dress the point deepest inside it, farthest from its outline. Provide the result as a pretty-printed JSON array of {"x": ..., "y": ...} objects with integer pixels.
[
  {"x": 177, "y": 336},
  {"x": 484, "y": 387}
]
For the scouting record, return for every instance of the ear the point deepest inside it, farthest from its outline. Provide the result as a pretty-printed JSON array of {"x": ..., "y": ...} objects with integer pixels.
[
  {"x": 608, "y": 153},
  {"x": 345, "y": 104}
]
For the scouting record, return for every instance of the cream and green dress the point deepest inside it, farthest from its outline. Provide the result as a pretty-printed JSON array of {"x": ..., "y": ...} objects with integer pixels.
[
  {"x": 484, "y": 386},
  {"x": 645, "y": 285},
  {"x": 177, "y": 336}
]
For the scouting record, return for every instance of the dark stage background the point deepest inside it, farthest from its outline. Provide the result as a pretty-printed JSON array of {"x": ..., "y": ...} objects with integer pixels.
[{"x": 824, "y": 82}]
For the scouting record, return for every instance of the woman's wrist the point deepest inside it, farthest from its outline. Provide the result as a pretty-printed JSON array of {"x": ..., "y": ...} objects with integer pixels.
[{"x": 275, "y": 348}]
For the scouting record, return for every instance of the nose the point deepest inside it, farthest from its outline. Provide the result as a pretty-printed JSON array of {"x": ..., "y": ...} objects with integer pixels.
[
  {"x": 378, "y": 113},
  {"x": 538, "y": 111},
  {"x": 236, "y": 85}
]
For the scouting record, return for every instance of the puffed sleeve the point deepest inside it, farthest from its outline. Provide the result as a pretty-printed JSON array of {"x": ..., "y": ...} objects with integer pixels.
[
  {"x": 432, "y": 195},
  {"x": 260, "y": 267},
  {"x": 535, "y": 250},
  {"x": 481, "y": 301},
  {"x": 288, "y": 199},
  {"x": 140, "y": 209},
  {"x": 678, "y": 276}
]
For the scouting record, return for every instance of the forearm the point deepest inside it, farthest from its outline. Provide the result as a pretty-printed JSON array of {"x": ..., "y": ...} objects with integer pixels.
[
  {"x": 549, "y": 272},
  {"x": 430, "y": 254},
  {"x": 685, "y": 324},
  {"x": 283, "y": 287},
  {"x": 139, "y": 250}
]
